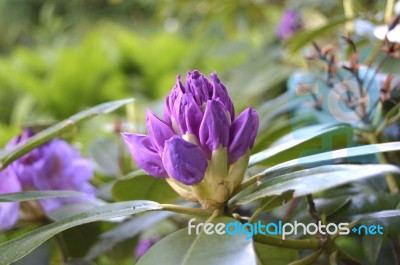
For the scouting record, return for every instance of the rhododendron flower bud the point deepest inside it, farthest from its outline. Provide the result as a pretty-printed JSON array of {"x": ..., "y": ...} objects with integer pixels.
[{"x": 199, "y": 147}]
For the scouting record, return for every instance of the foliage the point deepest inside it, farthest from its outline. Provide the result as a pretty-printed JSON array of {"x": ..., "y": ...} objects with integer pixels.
[{"x": 327, "y": 149}]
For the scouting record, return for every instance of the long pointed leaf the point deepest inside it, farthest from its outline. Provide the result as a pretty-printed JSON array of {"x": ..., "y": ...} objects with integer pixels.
[
  {"x": 16, "y": 248},
  {"x": 313, "y": 139},
  {"x": 37, "y": 195},
  {"x": 331, "y": 156},
  {"x": 317, "y": 179}
]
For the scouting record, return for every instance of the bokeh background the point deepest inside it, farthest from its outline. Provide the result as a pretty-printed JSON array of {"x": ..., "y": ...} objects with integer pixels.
[{"x": 58, "y": 57}]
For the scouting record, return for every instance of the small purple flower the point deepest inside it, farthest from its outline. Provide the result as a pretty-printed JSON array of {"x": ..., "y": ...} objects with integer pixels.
[
  {"x": 55, "y": 165},
  {"x": 199, "y": 132},
  {"x": 8, "y": 210},
  {"x": 143, "y": 246},
  {"x": 290, "y": 23}
]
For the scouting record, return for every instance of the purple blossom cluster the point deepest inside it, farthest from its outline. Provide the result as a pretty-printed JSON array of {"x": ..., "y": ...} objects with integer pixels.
[
  {"x": 198, "y": 136},
  {"x": 55, "y": 165},
  {"x": 199, "y": 118}
]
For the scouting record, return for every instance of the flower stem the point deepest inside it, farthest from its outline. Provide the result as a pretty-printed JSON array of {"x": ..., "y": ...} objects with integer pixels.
[
  {"x": 255, "y": 214},
  {"x": 186, "y": 210},
  {"x": 349, "y": 13},
  {"x": 217, "y": 212},
  {"x": 389, "y": 11}
]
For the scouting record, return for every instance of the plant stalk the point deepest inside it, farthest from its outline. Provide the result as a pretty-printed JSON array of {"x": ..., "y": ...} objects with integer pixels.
[{"x": 186, "y": 210}]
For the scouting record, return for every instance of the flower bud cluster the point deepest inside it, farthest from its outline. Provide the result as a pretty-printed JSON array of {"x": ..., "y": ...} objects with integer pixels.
[{"x": 200, "y": 147}]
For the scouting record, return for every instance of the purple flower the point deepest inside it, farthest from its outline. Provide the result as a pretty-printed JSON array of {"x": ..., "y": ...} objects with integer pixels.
[
  {"x": 8, "y": 210},
  {"x": 290, "y": 23},
  {"x": 199, "y": 137},
  {"x": 53, "y": 166},
  {"x": 29, "y": 165},
  {"x": 143, "y": 246}
]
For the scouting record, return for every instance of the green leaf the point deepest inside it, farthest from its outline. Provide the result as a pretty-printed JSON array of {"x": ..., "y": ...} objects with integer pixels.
[
  {"x": 37, "y": 195},
  {"x": 180, "y": 248},
  {"x": 331, "y": 206},
  {"x": 125, "y": 231},
  {"x": 363, "y": 203},
  {"x": 317, "y": 179},
  {"x": 388, "y": 219},
  {"x": 331, "y": 156},
  {"x": 377, "y": 215},
  {"x": 271, "y": 202},
  {"x": 267, "y": 255},
  {"x": 16, "y": 248},
  {"x": 41, "y": 255},
  {"x": 44, "y": 136},
  {"x": 392, "y": 115},
  {"x": 350, "y": 246},
  {"x": 372, "y": 245},
  {"x": 303, "y": 142},
  {"x": 143, "y": 187},
  {"x": 73, "y": 208}
]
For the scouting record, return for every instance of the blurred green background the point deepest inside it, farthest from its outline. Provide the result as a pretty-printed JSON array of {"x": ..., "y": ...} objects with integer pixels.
[{"x": 58, "y": 57}]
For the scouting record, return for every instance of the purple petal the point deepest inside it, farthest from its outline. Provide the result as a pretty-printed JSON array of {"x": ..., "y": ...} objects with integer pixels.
[
  {"x": 214, "y": 129},
  {"x": 158, "y": 130},
  {"x": 220, "y": 91},
  {"x": 63, "y": 169},
  {"x": 177, "y": 90},
  {"x": 243, "y": 132},
  {"x": 184, "y": 161},
  {"x": 75, "y": 176},
  {"x": 145, "y": 154},
  {"x": 198, "y": 85},
  {"x": 57, "y": 155},
  {"x": 28, "y": 167},
  {"x": 8, "y": 210},
  {"x": 187, "y": 114}
]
